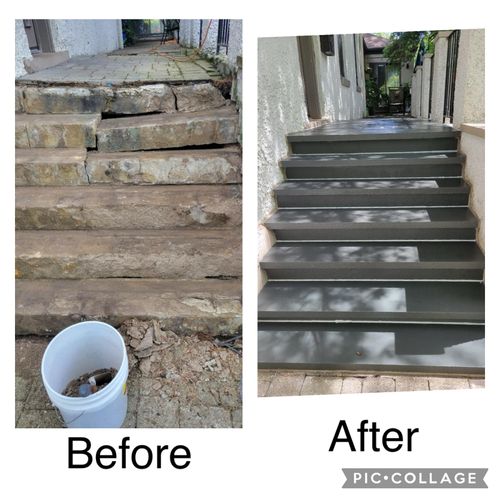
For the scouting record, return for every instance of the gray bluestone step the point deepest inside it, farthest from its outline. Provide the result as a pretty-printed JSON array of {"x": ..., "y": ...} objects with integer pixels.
[
  {"x": 396, "y": 348},
  {"x": 51, "y": 167},
  {"x": 172, "y": 254},
  {"x": 381, "y": 224},
  {"x": 131, "y": 99},
  {"x": 127, "y": 207},
  {"x": 162, "y": 131},
  {"x": 377, "y": 301},
  {"x": 372, "y": 193},
  {"x": 185, "y": 306},
  {"x": 196, "y": 166},
  {"x": 374, "y": 261},
  {"x": 375, "y": 137},
  {"x": 56, "y": 131},
  {"x": 370, "y": 166}
]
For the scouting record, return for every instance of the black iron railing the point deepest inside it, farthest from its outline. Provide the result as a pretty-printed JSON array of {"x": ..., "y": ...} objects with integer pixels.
[
  {"x": 451, "y": 72},
  {"x": 223, "y": 36}
]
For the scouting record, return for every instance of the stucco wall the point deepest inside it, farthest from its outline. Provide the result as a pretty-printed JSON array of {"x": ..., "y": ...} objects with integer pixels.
[
  {"x": 472, "y": 145},
  {"x": 339, "y": 102},
  {"x": 235, "y": 40},
  {"x": 86, "y": 36},
  {"x": 470, "y": 82},
  {"x": 281, "y": 109},
  {"x": 22, "y": 48},
  {"x": 439, "y": 76}
]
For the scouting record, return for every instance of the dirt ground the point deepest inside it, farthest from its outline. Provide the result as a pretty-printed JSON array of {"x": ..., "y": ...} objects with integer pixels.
[{"x": 174, "y": 380}]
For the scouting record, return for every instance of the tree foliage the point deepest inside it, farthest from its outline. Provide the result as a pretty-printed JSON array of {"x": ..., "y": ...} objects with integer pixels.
[{"x": 406, "y": 45}]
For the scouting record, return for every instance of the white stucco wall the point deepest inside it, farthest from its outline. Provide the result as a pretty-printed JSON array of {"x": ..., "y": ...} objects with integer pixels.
[
  {"x": 235, "y": 40},
  {"x": 469, "y": 103},
  {"x": 472, "y": 145},
  {"x": 22, "y": 48},
  {"x": 416, "y": 93},
  {"x": 339, "y": 102},
  {"x": 189, "y": 32},
  {"x": 281, "y": 109},
  {"x": 426, "y": 86},
  {"x": 86, "y": 36},
  {"x": 439, "y": 76}
]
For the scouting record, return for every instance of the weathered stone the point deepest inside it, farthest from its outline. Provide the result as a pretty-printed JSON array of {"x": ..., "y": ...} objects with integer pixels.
[
  {"x": 286, "y": 384},
  {"x": 174, "y": 254},
  {"x": 379, "y": 384},
  {"x": 142, "y": 99},
  {"x": 351, "y": 385},
  {"x": 198, "y": 97},
  {"x": 211, "y": 166},
  {"x": 204, "y": 417},
  {"x": 19, "y": 100},
  {"x": 66, "y": 100},
  {"x": 129, "y": 207},
  {"x": 48, "y": 306},
  {"x": 57, "y": 131},
  {"x": 321, "y": 385},
  {"x": 159, "y": 131},
  {"x": 50, "y": 167}
]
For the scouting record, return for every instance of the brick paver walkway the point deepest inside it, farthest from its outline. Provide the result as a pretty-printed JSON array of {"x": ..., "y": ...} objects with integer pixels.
[
  {"x": 302, "y": 383},
  {"x": 112, "y": 69}
]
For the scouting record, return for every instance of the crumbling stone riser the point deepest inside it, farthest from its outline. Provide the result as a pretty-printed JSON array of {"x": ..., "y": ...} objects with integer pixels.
[
  {"x": 165, "y": 131},
  {"x": 47, "y": 324},
  {"x": 64, "y": 167},
  {"x": 56, "y": 131},
  {"x": 119, "y": 100}
]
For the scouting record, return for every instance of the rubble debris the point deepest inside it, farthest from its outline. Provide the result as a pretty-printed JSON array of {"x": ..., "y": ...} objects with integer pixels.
[{"x": 89, "y": 383}]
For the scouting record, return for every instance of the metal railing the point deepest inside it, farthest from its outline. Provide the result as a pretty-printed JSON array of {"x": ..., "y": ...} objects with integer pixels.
[
  {"x": 451, "y": 71},
  {"x": 223, "y": 36}
]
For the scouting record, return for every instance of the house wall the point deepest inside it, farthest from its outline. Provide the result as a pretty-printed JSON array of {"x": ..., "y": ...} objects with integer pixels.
[
  {"x": 85, "y": 37},
  {"x": 470, "y": 80},
  {"x": 338, "y": 101},
  {"x": 235, "y": 40},
  {"x": 472, "y": 145},
  {"x": 22, "y": 48},
  {"x": 439, "y": 75},
  {"x": 282, "y": 109}
]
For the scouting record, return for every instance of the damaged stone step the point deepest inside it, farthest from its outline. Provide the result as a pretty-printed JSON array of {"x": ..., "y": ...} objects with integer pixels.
[
  {"x": 379, "y": 347},
  {"x": 195, "y": 166},
  {"x": 73, "y": 167},
  {"x": 130, "y": 99},
  {"x": 127, "y": 207},
  {"x": 51, "y": 167},
  {"x": 163, "y": 131},
  {"x": 173, "y": 254},
  {"x": 187, "y": 306},
  {"x": 56, "y": 131}
]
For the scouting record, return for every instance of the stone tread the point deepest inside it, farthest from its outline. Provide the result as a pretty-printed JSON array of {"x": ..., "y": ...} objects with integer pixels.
[
  {"x": 375, "y": 301},
  {"x": 49, "y": 156},
  {"x": 185, "y": 306},
  {"x": 127, "y": 207},
  {"x": 372, "y": 347},
  {"x": 173, "y": 254}
]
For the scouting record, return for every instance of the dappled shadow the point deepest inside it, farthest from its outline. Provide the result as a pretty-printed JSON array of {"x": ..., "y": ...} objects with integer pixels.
[
  {"x": 291, "y": 187},
  {"x": 345, "y": 346}
]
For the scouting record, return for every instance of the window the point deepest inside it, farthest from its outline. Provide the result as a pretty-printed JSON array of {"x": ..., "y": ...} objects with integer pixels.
[
  {"x": 327, "y": 45},
  {"x": 340, "y": 46}
]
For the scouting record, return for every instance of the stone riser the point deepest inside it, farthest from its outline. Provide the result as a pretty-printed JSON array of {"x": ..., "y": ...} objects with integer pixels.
[
  {"x": 186, "y": 307},
  {"x": 118, "y": 100},
  {"x": 58, "y": 167},
  {"x": 181, "y": 254},
  {"x": 143, "y": 207}
]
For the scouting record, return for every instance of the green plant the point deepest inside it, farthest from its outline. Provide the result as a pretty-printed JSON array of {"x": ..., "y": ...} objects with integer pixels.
[
  {"x": 405, "y": 45},
  {"x": 372, "y": 93}
]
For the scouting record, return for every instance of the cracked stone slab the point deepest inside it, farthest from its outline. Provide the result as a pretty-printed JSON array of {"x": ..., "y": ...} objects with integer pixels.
[
  {"x": 211, "y": 166},
  {"x": 187, "y": 306},
  {"x": 51, "y": 167},
  {"x": 127, "y": 207},
  {"x": 163, "y": 131},
  {"x": 56, "y": 131},
  {"x": 198, "y": 97},
  {"x": 173, "y": 254}
]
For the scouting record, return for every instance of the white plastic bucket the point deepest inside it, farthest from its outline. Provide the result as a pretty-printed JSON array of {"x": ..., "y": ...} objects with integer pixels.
[{"x": 83, "y": 348}]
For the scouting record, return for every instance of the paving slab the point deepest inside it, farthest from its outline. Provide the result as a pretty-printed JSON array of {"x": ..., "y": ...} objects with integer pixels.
[
  {"x": 286, "y": 385},
  {"x": 316, "y": 385},
  {"x": 439, "y": 383}
]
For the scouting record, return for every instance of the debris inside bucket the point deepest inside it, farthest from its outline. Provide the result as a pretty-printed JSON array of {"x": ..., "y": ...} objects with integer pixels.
[{"x": 89, "y": 383}]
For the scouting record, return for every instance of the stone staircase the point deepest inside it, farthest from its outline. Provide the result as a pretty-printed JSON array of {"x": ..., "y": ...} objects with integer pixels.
[
  {"x": 375, "y": 267},
  {"x": 128, "y": 205}
]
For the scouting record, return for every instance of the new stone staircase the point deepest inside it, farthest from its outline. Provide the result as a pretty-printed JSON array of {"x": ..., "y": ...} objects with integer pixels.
[
  {"x": 128, "y": 205},
  {"x": 375, "y": 267}
]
